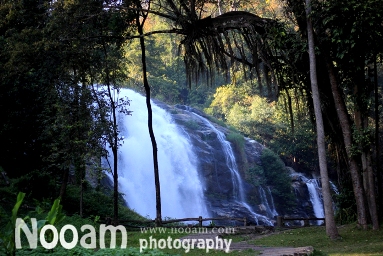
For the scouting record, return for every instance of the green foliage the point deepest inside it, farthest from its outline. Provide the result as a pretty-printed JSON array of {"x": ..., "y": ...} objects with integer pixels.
[
  {"x": 267, "y": 122},
  {"x": 192, "y": 124},
  {"x": 362, "y": 139},
  {"x": 346, "y": 210},
  {"x": 91, "y": 201},
  {"x": 36, "y": 184},
  {"x": 217, "y": 121},
  {"x": 55, "y": 215},
  {"x": 51, "y": 54},
  {"x": 237, "y": 139},
  {"x": 256, "y": 175},
  {"x": 7, "y": 236},
  {"x": 277, "y": 176},
  {"x": 92, "y": 205},
  {"x": 79, "y": 251},
  {"x": 297, "y": 149}
]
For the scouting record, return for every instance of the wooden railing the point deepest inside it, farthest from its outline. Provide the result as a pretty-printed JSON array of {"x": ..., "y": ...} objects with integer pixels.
[
  {"x": 200, "y": 220},
  {"x": 306, "y": 221},
  {"x": 280, "y": 220}
]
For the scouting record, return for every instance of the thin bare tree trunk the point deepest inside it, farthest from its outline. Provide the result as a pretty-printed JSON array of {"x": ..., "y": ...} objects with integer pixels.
[
  {"x": 371, "y": 195},
  {"x": 114, "y": 140},
  {"x": 347, "y": 139},
  {"x": 331, "y": 229},
  {"x": 114, "y": 146},
  {"x": 377, "y": 143},
  {"x": 291, "y": 114},
  {"x": 150, "y": 120},
  {"x": 64, "y": 183},
  {"x": 368, "y": 176},
  {"x": 81, "y": 197}
]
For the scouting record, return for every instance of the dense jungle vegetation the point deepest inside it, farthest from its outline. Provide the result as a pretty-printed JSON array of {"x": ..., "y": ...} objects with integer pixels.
[{"x": 246, "y": 63}]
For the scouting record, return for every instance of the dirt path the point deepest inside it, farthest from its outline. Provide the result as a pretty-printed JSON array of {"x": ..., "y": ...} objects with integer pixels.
[{"x": 264, "y": 251}]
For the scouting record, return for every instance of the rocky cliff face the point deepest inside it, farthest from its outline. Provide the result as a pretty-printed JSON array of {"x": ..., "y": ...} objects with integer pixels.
[{"x": 220, "y": 187}]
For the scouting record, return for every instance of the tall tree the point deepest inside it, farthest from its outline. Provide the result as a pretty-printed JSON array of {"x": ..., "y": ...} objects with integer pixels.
[
  {"x": 348, "y": 50},
  {"x": 331, "y": 229},
  {"x": 141, "y": 17}
]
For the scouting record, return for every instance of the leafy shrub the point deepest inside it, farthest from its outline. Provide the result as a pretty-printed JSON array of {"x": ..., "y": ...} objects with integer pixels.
[
  {"x": 80, "y": 251},
  {"x": 278, "y": 177},
  {"x": 192, "y": 124},
  {"x": 91, "y": 201},
  {"x": 92, "y": 205},
  {"x": 36, "y": 184},
  {"x": 346, "y": 209},
  {"x": 239, "y": 143},
  {"x": 237, "y": 139},
  {"x": 256, "y": 175}
]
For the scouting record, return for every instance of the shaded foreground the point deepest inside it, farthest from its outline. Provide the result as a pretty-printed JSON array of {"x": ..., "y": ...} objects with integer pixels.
[{"x": 304, "y": 241}]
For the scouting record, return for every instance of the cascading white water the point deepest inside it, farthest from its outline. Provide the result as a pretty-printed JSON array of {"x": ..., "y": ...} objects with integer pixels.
[
  {"x": 334, "y": 188},
  {"x": 265, "y": 201},
  {"x": 316, "y": 201},
  {"x": 238, "y": 191},
  {"x": 273, "y": 210},
  {"x": 230, "y": 160},
  {"x": 181, "y": 190}
]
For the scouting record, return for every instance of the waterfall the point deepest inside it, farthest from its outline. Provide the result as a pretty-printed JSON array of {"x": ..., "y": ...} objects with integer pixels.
[
  {"x": 313, "y": 187},
  {"x": 270, "y": 209},
  {"x": 181, "y": 189},
  {"x": 238, "y": 193},
  {"x": 334, "y": 188},
  {"x": 273, "y": 210},
  {"x": 238, "y": 190}
]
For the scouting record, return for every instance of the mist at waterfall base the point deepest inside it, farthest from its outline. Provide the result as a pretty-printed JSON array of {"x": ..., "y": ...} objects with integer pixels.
[{"x": 181, "y": 190}]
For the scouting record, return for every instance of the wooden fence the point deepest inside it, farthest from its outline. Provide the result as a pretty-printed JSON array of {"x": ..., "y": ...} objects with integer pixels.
[
  {"x": 280, "y": 220},
  {"x": 200, "y": 220},
  {"x": 306, "y": 221}
]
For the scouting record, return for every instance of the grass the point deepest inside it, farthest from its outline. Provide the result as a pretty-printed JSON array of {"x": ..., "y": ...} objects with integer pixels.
[
  {"x": 133, "y": 246},
  {"x": 134, "y": 238},
  {"x": 353, "y": 241}
]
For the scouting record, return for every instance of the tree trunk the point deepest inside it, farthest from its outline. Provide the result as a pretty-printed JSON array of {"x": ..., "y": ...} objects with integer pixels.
[
  {"x": 81, "y": 197},
  {"x": 347, "y": 138},
  {"x": 368, "y": 176},
  {"x": 377, "y": 143},
  {"x": 115, "y": 190},
  {"x": 114, "y": 146},
  {"x": 331, "y": 229},
  {"x": 150, "y": 122},
  {"x": 113, "y": 140},
  {"x": 371, "y": 195},
  {"x": 291, "y": 114},
  {"x": 64, "y": 183}
]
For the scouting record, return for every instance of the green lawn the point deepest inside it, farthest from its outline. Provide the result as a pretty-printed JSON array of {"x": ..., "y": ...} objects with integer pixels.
[{"x": 354, "y": 242}]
